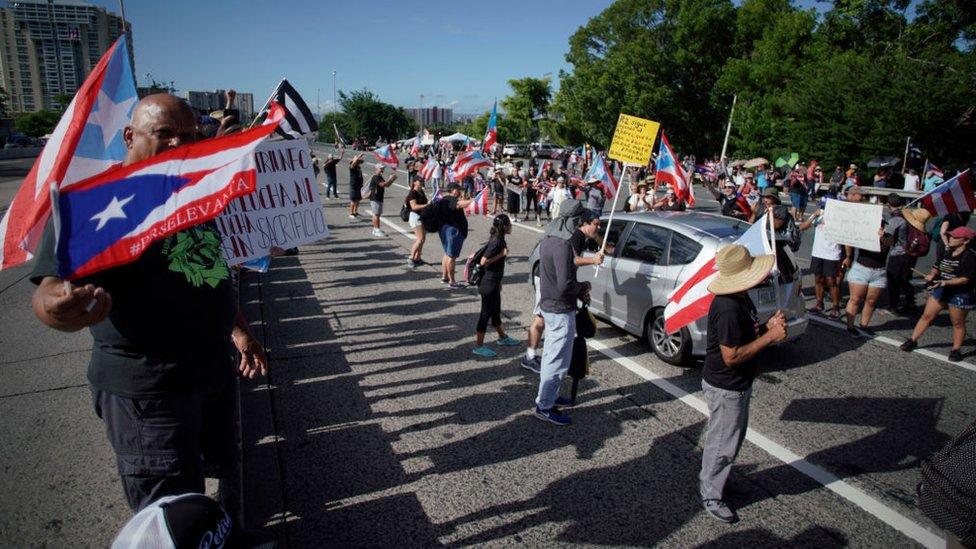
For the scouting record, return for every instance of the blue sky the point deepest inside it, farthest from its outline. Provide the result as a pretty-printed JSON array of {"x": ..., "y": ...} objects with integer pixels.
[{"x": 457, "y": 54}]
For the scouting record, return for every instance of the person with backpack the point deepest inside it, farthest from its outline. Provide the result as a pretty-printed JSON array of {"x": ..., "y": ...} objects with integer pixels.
[
  {"x": 416, "y": 202},
  {"x": 452, "y": 228},
  {"x": 910, "y": 242},
  {"x": 492, "y": 261},
  {"x": 951, "y": 283}
]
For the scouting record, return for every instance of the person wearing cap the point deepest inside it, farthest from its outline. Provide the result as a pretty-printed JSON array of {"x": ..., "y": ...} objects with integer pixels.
[
  {"x": 866, "y": 277},
  {"x": 734, "y": 340},
  {"x": 329, "y": 168},
  {"x": 355, "y": 184},
  {"x": 377, "y": 188},
  {"x": 901, "y": 294},
  {"x": 951, "y": 283},
  {"x": 560, "y": 291},
  {"x": 594, "y": 197},
  {"x": 769, "y": 200},
  {"x": 453, "y": 230}
]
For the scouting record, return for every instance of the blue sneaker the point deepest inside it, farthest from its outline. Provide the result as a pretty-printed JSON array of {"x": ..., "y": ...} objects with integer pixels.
[
  {"x": 533, "y": 365},
  {"x": 508, "y": 341},
  {"x": 484, "y": 352},
  {"x": 552, "y": 415}
]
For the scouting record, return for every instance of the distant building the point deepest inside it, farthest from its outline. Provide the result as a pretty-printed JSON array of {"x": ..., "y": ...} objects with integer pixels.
[
  {"x": 206, "y": 101},
  {"x": 432, "y": 115},
  {"x": 48, "y": 47},
  {"x": 466, "y": 118}
]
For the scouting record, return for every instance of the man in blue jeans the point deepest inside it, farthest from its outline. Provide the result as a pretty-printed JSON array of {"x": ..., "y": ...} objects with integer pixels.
[
  {"x": 559, "y": 292},
  {"x": 731, "y": 362}
]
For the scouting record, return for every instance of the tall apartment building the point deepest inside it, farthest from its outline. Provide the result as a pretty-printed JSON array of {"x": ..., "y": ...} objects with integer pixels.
[
  {"x": 432, "y": 115},
  {"x": 48, "y": 47},
  {"x": 206, "y": 101}
]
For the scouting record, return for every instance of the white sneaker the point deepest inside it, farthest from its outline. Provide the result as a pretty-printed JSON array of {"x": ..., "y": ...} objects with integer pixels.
[
  {"x": 378, "y": 233},
  {"x": 352, "y": 216}
]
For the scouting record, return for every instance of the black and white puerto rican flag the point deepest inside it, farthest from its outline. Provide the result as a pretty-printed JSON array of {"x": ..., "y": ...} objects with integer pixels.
[{"x": 298, "y": 121}]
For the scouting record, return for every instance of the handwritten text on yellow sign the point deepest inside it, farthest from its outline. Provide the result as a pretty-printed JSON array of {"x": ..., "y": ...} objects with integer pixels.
[{"x": 633, "y": 139}]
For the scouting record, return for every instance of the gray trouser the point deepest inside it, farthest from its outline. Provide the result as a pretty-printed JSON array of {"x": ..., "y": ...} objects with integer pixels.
[
  {"x": 728, "y": 418},
  {"x": 557, "y": 354}
]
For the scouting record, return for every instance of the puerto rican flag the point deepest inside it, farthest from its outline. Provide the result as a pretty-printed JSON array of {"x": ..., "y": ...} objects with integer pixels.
[
  {"x": 479, "y": 205},
  {"x": 112, "y": 218},
  {"x": 600, "y": 172},
  {"x": 955, "y": 195},
  {"x": 935, "y": 169},
  {"x": 428, "y": 169},
  {"x": 668, "y": 170},
  {"x": 690, "y": 301},
  {"x": 469, "y": 162},
  {"x": 416, "y": 148},
  {"x": 387, "y": 156},
  {"x": 86, "y": 141},
  {"x": 491, "y": 135}
]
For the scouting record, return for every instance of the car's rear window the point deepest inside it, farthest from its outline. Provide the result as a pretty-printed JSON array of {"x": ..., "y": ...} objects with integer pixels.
[{"x": 721, "y": 227}]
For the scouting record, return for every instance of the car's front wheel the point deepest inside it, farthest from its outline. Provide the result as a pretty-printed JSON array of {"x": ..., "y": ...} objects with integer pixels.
[{"x": 671, "y": 348}]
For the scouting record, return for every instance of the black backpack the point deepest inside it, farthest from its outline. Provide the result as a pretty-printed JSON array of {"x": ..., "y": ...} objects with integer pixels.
[
  {"x": 430, "y": 217},
  {"x": 947, "y": 493}
]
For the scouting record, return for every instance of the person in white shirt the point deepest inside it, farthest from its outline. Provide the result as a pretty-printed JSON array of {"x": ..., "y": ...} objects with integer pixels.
[
  {"x": 559, "y": 194},
  {"x": 641, "y": 201},
  {"x": 911, "y": 181},
  {"x": 826, "y": 265}
]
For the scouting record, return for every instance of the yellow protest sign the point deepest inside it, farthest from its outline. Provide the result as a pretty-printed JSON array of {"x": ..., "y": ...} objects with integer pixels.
[{"x": 633, "y": 139}]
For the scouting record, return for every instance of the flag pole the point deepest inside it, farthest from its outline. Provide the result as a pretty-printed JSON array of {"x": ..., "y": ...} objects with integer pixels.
[
  {"x": 728, "y": 130},
  {"x": 606, "y": 233},
  {"x": 775, "y": 271},
  {"x": 904, "y": 163},
  {"x": 266, "y": 103}
]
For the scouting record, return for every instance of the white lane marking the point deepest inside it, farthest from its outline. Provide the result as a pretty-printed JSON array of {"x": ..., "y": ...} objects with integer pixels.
[
  {"x": 895, "y": 343},
  {"x": 852, "y": 494}
]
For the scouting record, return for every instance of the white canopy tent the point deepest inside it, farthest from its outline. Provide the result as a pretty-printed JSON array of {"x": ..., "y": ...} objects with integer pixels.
[{"x": 456, "y": 138}]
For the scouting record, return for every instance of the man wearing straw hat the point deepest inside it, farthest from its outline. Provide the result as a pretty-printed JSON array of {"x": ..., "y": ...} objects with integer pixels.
[
  {"x": 901, "y": 261},
  {"x": 735, "y": 339}
]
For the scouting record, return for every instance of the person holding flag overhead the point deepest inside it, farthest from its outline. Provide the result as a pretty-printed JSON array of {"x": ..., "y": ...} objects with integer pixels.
[
  {"x": 162, "y": 323},
  {"x": 377, "y": 189}
]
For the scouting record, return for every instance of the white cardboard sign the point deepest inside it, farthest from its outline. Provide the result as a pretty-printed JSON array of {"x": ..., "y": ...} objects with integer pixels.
[
  {"x": 853, "y": 224},
  {"x": 284, "y": 210}
]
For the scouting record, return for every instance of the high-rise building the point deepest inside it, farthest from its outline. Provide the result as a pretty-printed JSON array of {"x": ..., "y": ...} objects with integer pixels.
[
  {"x": 206, "y": 101},
  {"x": 48, "y": 47},
  {"x": 432, "y": 115}
]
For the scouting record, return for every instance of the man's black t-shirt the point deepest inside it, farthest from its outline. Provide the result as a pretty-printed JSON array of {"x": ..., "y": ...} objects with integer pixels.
[
  {"x": 452, "y": 215},
  {"x": 376, "y": 188},
  {"x": 356, "y": 178},
  {"x": 733, "y": 322},
  {"x": 329, "y": 167},
  {"x": 961, "y": 266},
  {"x": 172, "y": 315}
]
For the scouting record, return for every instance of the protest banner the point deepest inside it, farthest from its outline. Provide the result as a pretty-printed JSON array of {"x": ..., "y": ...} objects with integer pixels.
[
  {"x": 633, "y": 140},
  {"x": 283, "y": 211},
  {"x": 852, "y": 224}
]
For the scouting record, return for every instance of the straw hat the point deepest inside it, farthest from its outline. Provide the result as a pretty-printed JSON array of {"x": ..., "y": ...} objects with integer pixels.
[
  {"x": 738, "y": 271},
  {"x": 917, "y": 217}
]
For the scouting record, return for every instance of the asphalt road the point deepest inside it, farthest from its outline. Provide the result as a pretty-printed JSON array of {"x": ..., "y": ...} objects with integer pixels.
[{"x": 378, "y": 427}]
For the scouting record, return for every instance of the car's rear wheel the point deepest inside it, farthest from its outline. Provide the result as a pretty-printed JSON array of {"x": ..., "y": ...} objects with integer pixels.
[{"x": 671, "y": 348}]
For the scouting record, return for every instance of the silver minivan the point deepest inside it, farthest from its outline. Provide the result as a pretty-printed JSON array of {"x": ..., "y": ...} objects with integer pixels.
[{"x": 650, "y": 254}]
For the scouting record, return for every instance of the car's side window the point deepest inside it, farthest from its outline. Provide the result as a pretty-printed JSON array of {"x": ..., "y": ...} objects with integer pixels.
[
  {"x": 647, "y": 244},
  {"x": 616, "y": 229},
  {"x": 683, "y": 250}
]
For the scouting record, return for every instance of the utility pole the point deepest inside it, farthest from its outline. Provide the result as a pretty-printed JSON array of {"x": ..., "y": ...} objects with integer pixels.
[
  {"x": 334, "y": 106},
  {"x": 420, "y": 114}
]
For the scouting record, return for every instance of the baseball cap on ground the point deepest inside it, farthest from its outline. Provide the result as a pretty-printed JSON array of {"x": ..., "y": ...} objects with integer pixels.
[{"x": 187, "y": 520}]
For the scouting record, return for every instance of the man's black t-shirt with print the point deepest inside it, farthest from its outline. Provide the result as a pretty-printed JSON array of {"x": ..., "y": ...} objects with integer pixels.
[
  {"x": 172, "y": 315},
  {"x": 376, "y": 188},
  {"x": 733, "y": 322}
]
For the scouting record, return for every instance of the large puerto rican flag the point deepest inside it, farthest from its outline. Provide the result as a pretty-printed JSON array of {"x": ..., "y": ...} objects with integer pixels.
[
  {"x": 387, "y": 156},
  {"x": 427, "y": 171},
  {"x": 86, "y": 141},
  {"x": 112, "y": 218},
  {"x": 599, "y": 172},
  {"x": 690, "y": 301},
  {"x": 491, "y": 134},
  {"x": 469, "y": 162},
  {"x": 479, "y": 205},
  {"x": 955, "y": 195},
  {"x": 669, "y": 171}
]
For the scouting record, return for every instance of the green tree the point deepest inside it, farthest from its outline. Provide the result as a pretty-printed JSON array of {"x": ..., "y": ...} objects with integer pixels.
[
  {"x": 367, "y": 116},
  {"x": 655, "y": 59},
  {"x": 528, "y": 103},
  {"x": 38, "y": 123}
]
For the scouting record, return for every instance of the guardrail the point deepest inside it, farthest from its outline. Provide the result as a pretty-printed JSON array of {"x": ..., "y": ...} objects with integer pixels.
[{"x": 20, "y": 152}]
